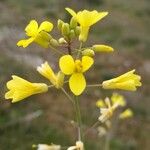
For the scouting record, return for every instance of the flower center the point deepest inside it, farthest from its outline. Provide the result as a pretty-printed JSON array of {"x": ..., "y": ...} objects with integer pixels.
[{"x": 78, "y": 66}]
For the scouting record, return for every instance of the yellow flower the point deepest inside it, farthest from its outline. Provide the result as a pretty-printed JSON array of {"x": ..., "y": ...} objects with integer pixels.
[
  {"x": 46, "y": 71},
  {"x": 119, "y": 99},
  {"x": 126, "y": 114},
  {"x": 79, "y": 146},
  {"x": 75, "y": 68},
  {"x": 102, "y": 48},
  {"x": 37, "y": 34},
  {"x": 86, "y": 19},
  {"x": 107, "y": 112},
  {"x": 127, "y": 81},
  {"x": 20, "y": 89}
]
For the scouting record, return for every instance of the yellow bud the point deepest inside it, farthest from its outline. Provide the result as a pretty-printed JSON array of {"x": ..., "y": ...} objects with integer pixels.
[
  {"x": 62, "y": 41},
  {"x": 65, "y": 29},
  {"x": 60, "y": 80},
  {"x": 77, "y": 31},
  {"x": 60, "y": 24},
  {"x": 54, "y": 42},
  {"x": 73, "y": 23},
  {"x": 72, "y": 34},
  {"x": 102, "y": 48},
  {"x": 88, "y": 52}
]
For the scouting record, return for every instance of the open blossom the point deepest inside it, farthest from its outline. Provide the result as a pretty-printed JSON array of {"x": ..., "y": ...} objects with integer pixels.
[
  {"x": 56, "y": 79},
  {"x": 75, "y": 68},
  {"x": 128, "y": 81},
  {"x": 107, "y": 111},
  {"x": 20, "y": 88},
  {"x": 37, "y": 34},
  {"x": 79, "y": 146},
  {"x": 86, "y": 19}
]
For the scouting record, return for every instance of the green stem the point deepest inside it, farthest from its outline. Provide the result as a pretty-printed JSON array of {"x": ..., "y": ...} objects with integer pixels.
[
  {"x": 79, "y": 51},
  {"x": 69, "y": 97},
  {"x": 56, "y": 50},
  {"x": 78, "y": 116},
  {"x": 107, "y": 142},
  {"x": 94, "y": 85},
  {"x": 69, "y": 48},
  {"x": 92, "y": 127}
]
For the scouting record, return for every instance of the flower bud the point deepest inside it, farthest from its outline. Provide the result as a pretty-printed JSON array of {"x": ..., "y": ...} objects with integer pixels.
[
  {"x": 60, "y": 80},
  {"x": 65, "y": 29},
  {"x": 102, "y": 48},
  {"x": 77, "y": 31},
  {"x": 72, "y": 34},
  {"x": 62, "y": 41},
  {"x": 54, "y": 43},
  {"x": 60, "y": 24},
  {"x": 73, "y": 23},
  {"x": 88, "y": 52}
]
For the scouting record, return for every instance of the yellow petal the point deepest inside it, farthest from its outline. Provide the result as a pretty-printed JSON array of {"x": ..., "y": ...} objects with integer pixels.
[
  {"x": 20, "y": 88},
  {"x": 32, "y": 28},
  {"x": 98, "y": 16},
  {"x": 100, "y": 103},
  {"x": 43, "y": 39},
  {"x": 88, "y": 18},
  {"x": 46, "y": 71},
  {"x": 77, "y": 83},
  {"x": 126, "y": 114},
  {"x": 127, "y": 85},
  {"x": 118, "y": 99},
  {"x": 9, "y": 94},
  {"x": 46, "y": 26},
  {"x": 87, "y": 62},
  {"x": 83, "y": 34},
  {"x": 72, "y": 12},
  {"x": 66, "y": 64},
  {"x": 25, "y": 43},
  {"x": 124, "y": 77}
]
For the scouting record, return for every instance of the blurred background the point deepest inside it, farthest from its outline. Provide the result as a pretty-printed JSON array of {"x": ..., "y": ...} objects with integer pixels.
[{"x": 46, "y": 118}]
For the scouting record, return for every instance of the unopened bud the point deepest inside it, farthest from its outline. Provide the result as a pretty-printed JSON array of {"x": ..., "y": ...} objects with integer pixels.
[
  {"x": 73, "y": 23},
  {"x": 77, "y": 31},
  {"x": 60, "y": 24},
  {"x": 54, "y": 43},
  {"x": 60, "y": 79},
  {"x": 88, "y": 52},
  {"x": 72, "y": 34},
  {"x": 65, "y": 29},
  {"x": 62, "y": 41},
  {"x": 102, "y": 48}
]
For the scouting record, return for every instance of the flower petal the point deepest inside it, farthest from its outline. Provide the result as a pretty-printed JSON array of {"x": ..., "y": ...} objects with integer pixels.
[
  {"x": 87, "y": 62},
  {"x": 43, "y": 39},
  {"x": 32, "y": 28},
  {"x": 46, "y": 26},
  {"x": 84, "y": 34},
  {"x": 77, "y": 83},
  {"x": 25, "y": 43},
  {"x": 66, "y": 64},
  {"x": 72, "y": 12}
]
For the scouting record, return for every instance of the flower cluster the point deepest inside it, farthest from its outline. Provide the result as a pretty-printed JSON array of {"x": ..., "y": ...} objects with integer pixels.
[
  {"x": 73, "y": 65},
  {"x": 107, "y": 111}
]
